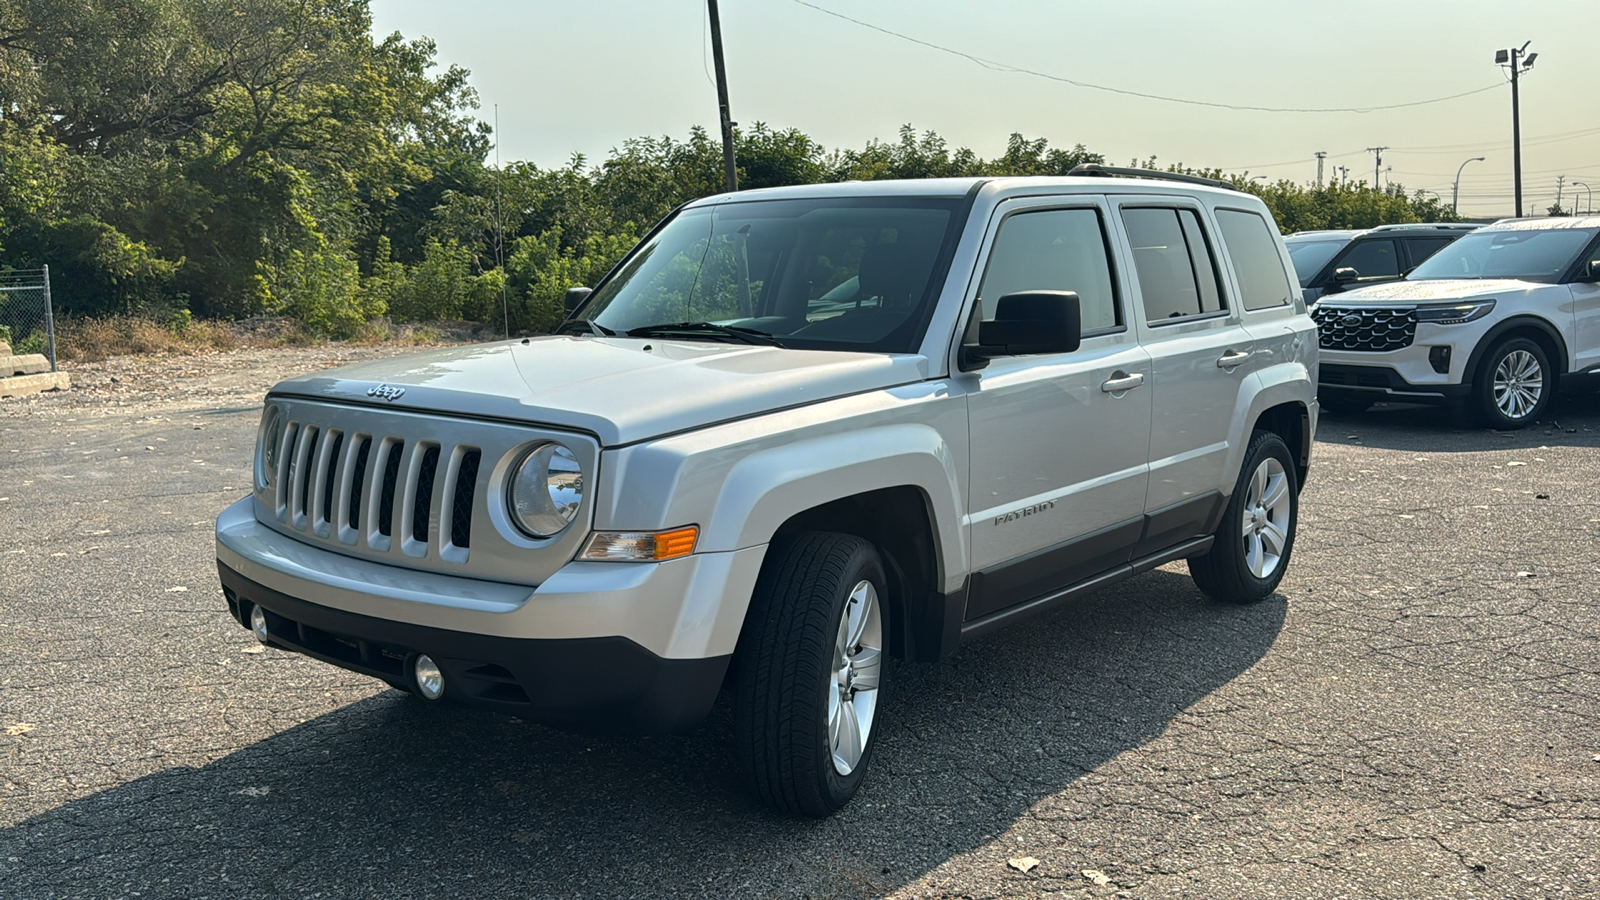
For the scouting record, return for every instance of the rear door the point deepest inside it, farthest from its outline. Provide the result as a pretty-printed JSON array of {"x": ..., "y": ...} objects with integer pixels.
[
  {"x": 1200, "y": 353},
  {"x": 1059, "y": 442}
]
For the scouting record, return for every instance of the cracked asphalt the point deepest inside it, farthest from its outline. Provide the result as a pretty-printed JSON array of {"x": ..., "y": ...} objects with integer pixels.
[{"x": 1415, "y": 714}]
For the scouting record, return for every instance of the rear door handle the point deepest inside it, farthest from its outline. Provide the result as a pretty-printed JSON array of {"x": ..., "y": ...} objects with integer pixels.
[
  {"x": 1121, "y": 381},
  {"x": 1233, "y": 358}
]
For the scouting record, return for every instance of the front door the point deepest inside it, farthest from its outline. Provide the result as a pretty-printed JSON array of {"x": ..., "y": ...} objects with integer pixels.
[{"x": 1058, "y": 441}]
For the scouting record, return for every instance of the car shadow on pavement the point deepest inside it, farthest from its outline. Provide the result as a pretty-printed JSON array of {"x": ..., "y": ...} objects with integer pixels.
[
  {"x": 391, "y": 797},
  {"x": 1572, "y": 418}
]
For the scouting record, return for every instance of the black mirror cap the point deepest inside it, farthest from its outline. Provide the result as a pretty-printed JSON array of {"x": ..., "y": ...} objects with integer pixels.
[
  {"x": 1032, "y": 322},
  {"x": 575, "y": 298}
]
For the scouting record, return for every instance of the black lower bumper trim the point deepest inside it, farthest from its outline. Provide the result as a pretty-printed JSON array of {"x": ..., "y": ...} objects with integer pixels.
[
  {"x": 1383, "y": 380},
  {"x": 601, "y": 684}
]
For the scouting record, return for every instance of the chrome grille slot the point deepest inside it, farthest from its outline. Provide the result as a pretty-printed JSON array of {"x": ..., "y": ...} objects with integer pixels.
[
  {"x": 461, "y": 486},
  {"x": 1376, "y": 330},
  {"x": 357, "y": 483},
  {"x": 326, "y": 469},
  {"x": 418, "y": 499},
  {"x": 300, "y": 475},
  {"x": 291, "y": 434},
  {"x": 411, "y": 489},
  {"x": 390, "y": 455}
]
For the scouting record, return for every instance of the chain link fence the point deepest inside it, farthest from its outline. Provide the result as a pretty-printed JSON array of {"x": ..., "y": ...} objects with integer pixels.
[{"x": 25, "y": 312}]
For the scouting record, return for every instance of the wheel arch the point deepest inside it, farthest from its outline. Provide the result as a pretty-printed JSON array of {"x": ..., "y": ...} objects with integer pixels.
[
  {"x": 899, "y": 522},
  {"x": 1535, "y": 328},
  {"x": 1291, "y": 421}
]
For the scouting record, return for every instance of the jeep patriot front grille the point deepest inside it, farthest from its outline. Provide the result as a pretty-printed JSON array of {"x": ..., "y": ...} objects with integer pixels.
[
  {"x": 328, "y": 483},
  {"x": 407, "y": 488}
]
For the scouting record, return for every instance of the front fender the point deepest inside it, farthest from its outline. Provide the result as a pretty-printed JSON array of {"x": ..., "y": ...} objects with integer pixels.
[{"x": 1286, "y": 383}]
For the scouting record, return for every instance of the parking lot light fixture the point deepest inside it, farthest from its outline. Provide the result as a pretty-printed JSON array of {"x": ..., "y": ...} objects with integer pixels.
[
  {"x": 1455, "y": 192},
  {"x": 1588, "y": 198}
]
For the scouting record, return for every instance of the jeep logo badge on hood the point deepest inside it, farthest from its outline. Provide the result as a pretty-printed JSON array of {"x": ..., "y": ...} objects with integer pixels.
[{"x": 386, "y": 392}]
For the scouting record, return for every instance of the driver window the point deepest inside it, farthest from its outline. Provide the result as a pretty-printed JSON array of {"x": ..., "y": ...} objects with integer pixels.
[{"x": 1054, "y": 250}]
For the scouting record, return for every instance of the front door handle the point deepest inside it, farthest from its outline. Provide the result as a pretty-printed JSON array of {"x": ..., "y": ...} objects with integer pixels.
[
  {"x": 1233, "y": 358},
  {"x": 1121, "y": 381}
]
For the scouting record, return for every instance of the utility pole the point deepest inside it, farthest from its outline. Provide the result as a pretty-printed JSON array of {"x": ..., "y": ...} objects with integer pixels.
[
  {"x": 1377, "y": 164},
  {"x": 1518, "y": 60},
  {"x": 1320, "y": 155},
  {"x": 730, "y": 172},
  {"x": 1561, "y": 181}
]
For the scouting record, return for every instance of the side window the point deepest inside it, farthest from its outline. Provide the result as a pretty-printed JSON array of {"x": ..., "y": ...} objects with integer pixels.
[
  {"x": 1422, "y": 248},
  {"x": 1054, "y": 250},
  {"x": 1372, "y": 259},
  {"x": 1173, "y": 260},
  {"x": 1253, "y": 244}
]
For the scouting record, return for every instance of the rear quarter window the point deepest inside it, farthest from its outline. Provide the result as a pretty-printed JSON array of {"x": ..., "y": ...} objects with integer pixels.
[{"x": 1253, "y": 244}]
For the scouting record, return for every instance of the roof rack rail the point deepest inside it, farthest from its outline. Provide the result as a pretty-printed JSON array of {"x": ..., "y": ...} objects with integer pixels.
[{"x": 1117, "y": 172}]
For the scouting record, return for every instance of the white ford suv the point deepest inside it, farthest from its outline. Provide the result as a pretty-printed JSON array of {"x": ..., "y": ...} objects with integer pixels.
[
  {"x": 792, "y": 432},
  {"x": 1493, "y": 321}
]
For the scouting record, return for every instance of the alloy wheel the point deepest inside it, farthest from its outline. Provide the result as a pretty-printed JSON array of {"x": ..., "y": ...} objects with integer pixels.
[{"x": 853, "y": 685}]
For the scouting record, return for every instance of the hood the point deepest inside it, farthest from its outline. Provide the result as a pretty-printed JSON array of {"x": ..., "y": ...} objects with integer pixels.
[
  {"x": 619, "y": 389},
  {"x": 1441, "y": 290}
]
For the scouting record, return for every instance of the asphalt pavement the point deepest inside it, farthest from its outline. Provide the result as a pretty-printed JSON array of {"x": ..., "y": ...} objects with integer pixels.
[{"x": 1415, "y": 714}]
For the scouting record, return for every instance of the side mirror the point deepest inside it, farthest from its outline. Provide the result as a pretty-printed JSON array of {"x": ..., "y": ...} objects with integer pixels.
[
  {"x": 1591, "y": 272},
  {"x": 1343, "y": 277},
  {"x": 1024, "y": 323},
  {"x": 575, "y": 298}
]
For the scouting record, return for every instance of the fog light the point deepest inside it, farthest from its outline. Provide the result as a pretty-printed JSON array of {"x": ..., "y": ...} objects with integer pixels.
[
  {"x": 258, "y": 624},
  {"x": 1439, "y": 358},
  {"x": 430, "y": 681}
]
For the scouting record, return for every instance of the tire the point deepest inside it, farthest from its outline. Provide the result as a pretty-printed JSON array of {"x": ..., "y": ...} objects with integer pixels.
[
  {"x": 1241, "y": 566},
  {"x": 809, "y": 663},
  {"x": 1513, "y": 384},
  {"x": 1342, "y": 403}
]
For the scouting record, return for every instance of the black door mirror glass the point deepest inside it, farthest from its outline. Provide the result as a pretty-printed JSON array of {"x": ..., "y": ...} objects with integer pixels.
[
  {"x": 575, "y": 298},
  {"x": 1029, "y": 322}
]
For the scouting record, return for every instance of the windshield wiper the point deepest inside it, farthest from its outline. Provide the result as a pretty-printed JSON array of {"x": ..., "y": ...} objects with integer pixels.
[
  {"x": 674, "y": 329},
  {"x": 589, "y": 326}
]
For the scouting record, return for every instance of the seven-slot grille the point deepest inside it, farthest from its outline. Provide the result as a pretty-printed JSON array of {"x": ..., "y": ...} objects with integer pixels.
[
  {"x": 1366, "y": 329},
  {"x": 375, "y": 490}
]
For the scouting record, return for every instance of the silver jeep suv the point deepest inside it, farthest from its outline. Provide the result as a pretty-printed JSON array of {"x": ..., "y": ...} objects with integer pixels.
[{"x": 793, "y": 431}]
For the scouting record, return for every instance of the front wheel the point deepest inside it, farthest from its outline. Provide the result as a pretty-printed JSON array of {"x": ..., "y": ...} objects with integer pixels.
[
  {"x": 808, "y": 672},
  {"x": 1252, "y": 545},
  {"x": 1513, "y": 384}
]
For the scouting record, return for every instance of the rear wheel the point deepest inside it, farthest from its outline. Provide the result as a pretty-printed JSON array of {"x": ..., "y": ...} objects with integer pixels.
[
  {"x": 1252, "y": 545},
  {"x": 808, "y": 672},
  {"x": 1514, "y": 384}
]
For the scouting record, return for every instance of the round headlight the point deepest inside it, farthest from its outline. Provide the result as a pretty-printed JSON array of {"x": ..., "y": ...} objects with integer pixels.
[
  {"x": 267, "y": 452},
  {"x": 546, "y": 490}
]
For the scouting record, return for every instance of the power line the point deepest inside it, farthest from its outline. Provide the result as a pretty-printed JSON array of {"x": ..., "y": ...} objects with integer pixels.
[{"x": 1006, "y": 67}]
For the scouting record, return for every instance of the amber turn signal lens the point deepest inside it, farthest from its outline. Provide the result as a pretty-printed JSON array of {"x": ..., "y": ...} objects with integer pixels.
[
  {"x": 641, "y": 546},
  {"x": 676, "y": 543}
]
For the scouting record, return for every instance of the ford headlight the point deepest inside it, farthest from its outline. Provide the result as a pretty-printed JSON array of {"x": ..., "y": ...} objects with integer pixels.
[
  {"x": 1455, "y": 313},
  {"x": 546, "y": 490}
]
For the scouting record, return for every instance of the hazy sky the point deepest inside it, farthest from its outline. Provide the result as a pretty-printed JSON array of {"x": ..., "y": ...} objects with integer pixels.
[{"x": 582, "y": 77}]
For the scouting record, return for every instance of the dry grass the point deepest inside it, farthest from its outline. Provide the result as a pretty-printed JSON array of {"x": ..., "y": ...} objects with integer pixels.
[{"x": 92, "y": 340}]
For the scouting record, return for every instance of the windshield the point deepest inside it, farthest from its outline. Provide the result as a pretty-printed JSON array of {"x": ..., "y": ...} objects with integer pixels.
[
  {"x": 1522, "y": 254},
  {"x": 1310, "y": 256},
  {"x": 837, "y": 274}
]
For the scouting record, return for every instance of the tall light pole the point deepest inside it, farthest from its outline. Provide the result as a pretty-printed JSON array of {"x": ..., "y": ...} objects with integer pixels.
[
  {"x": 729, "y": 171},
  {"x": 1320, "y": 155},
  {"x": 1455, "y": 192},
  {"x": 1588, "y": 197},
  {"x": 1518, "y": 60}
]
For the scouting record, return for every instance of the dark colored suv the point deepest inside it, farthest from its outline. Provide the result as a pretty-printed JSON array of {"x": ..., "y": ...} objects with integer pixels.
[{"x": 1328, "y": 262}]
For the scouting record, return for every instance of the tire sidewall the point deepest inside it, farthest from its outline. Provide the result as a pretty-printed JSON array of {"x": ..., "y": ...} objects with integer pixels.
[
  {"x": 864, "y": 564},
  {"x": 1484, "y": 387},
  {"x": 1265, "y": 445}
]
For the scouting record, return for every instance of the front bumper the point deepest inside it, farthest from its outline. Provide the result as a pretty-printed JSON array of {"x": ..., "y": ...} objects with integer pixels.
[
  {"x": 604, "y": 684},
  {"x": 596, "y": 646}
]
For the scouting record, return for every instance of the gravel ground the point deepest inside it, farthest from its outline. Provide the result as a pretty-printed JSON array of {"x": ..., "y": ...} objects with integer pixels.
[{"x": 1413, "y": 715}]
